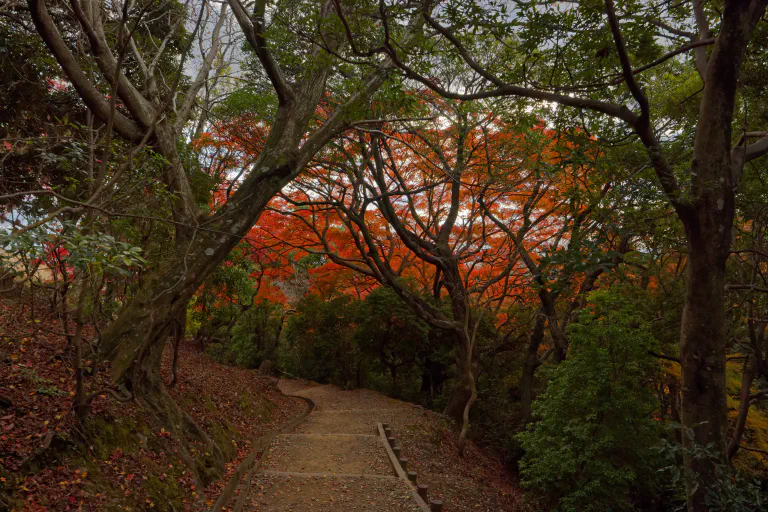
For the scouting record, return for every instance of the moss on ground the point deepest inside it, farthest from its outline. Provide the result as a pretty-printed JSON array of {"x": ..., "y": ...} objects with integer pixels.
[
  {"x": 262, "y": 408},
  {"x": 226, "y": 437},
  {"x": 104, "y": 437}
]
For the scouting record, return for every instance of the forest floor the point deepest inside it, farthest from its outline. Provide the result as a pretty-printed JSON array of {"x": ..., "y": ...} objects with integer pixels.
[
  {"x": 335, "y": 460},
  {"x": 121, "y": 458}
]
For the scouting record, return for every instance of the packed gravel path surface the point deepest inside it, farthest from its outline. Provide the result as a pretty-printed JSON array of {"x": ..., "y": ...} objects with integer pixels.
[{"x": 334, "y": 460}]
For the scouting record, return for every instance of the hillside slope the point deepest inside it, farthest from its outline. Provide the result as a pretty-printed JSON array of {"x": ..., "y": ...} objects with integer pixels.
[{"x": 120, "y": 458}]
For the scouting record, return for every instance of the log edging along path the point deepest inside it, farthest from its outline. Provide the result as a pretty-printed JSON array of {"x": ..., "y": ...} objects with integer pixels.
[
  {"x": 252, "y": 462},
  {"x": 401, "y": 472}
]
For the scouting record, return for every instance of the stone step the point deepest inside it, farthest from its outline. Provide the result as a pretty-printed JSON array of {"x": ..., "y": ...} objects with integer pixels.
[
  {"x": 291, "y": 474},
  {"x": 352, "y": 421},
  {"x": 278, "y": 493},
  {"x": 348, "y": 454},
  {"x": 318, "y": 434}
]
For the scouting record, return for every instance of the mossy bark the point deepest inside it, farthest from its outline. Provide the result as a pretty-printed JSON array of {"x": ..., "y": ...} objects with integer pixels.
[{"x": 147, "y": 385}]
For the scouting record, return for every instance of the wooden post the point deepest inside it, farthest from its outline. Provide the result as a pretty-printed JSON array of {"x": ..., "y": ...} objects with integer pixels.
[
  {"x": 412, "y": 476},
  {"x": 388, "y": 432},
  {"x": 435, "y": 505},
  {"x": 404, "y": 463},
  {"x": 391, "y": 440},
  {"x": 385, "y": 426},
  {"x": 396, "y": 451},
  {"x": 422, "y": 489}
]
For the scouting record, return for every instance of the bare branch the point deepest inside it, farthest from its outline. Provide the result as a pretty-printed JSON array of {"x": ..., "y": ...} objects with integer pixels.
[
  {"x": 254, "y": 34},
  {"x": 82, "y": 84}
]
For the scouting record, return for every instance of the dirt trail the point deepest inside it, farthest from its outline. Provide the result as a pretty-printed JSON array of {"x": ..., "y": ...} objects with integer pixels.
[{"x": 334, "y": 460}]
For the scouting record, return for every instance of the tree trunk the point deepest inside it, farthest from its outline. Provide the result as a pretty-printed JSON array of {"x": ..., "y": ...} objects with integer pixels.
[
  {"x": 134, "y": 342},
  {"x": 529, "y": 370},
  {"x": 674, "y": 404},
  {"x": 708, "y": 220},
  {"x": 462, "y": 387},
  {"x": 178, "y": 336},
  {"x": 395, "y": 384},
  {"x": 167, "y": 290},
  {"x": 146, "y": 384},
  {"x": 747, "y": 377},
  {"x": 81, "y": 407},
  {"x": 202, "y": 337},
  {"x": 432, "y": 377},
  {"x": 702, "y": 357},
  {"x": 468, "y": 376},
  {"x": 462, "y": 391}
]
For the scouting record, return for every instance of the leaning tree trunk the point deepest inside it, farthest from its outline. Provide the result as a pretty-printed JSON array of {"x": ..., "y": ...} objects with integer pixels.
[
  {"x": 134, "y": 342},
  {"x": 749, "y": 373},
  {"x": 166, "y": 292}
]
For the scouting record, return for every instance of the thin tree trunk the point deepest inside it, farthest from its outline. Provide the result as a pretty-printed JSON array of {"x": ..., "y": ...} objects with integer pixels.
[
  {"x": 179, "y": 331},
  {"x": 674, "y": 405},
  {"x": 747, "y": 377},
  {"x": 469, "y": 378},
  {"x": 81, "y": 407},
  {"x": 529, "y": 370}
]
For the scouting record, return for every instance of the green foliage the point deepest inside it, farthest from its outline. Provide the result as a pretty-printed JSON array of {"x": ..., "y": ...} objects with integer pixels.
[
  {"x": 320, "y": 342},
  {"x": 224, "y": 295},
  {"x": 733, "y": 491},
  {"x": 256, "y": 334},
  {"x": 101, "y": 251},
  {"x": 391, "y": 333},
  {"x": 89, "y": 252},
  {"x": 499, "y": 394},
  {"x": 591, "y": 448},
  {"x": 377, "y": 342},
  {"x": 43, "y": 386}
]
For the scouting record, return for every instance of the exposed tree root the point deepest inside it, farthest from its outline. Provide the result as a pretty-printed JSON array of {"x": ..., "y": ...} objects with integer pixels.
[{"x": 206, "y": 460}]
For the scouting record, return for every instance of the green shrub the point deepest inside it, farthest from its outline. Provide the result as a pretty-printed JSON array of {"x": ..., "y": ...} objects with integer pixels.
[
  {"x": 252, "y": 339},
  {"x": 255, "y": 335},
  {"x": 377, "y": 342},
  {"x": 592, "y": 446},
  {"x": 393, "y": 337},
  {"x": 732, "y": 491},
  {"x": 319, "y": 341}
]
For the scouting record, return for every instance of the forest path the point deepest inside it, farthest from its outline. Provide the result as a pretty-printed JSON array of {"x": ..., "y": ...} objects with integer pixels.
[{"x": 335, "y": 459}]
